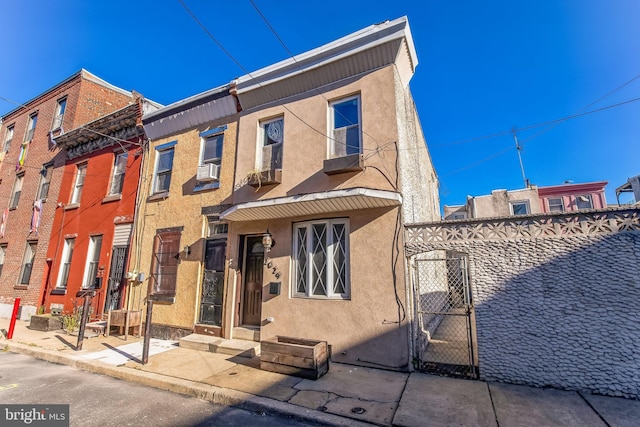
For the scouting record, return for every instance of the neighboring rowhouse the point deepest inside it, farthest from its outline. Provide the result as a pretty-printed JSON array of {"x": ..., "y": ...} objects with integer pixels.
[
  {"x": 90, "y": 240},
  {"x": 531, "y": 200},
  {"x": 331, "y": 163},
  {"x": 180, "y": 245},
  {"x": 31, "y": 175}
]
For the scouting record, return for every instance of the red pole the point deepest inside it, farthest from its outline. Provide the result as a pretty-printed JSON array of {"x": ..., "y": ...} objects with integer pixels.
[{"x": 14, "y": 316}]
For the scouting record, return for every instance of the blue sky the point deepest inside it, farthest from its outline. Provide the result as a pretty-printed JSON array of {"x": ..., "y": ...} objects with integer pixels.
[{"x": 484, "y": 69}]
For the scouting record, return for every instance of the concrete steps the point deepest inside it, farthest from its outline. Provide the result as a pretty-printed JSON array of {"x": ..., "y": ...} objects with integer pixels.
[{"x": 233, "y": 347}]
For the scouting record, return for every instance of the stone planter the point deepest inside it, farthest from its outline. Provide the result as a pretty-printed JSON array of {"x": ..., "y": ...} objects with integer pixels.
[
  {"x": 295, "y": 356},
  {"x": 45, "y": 322}
]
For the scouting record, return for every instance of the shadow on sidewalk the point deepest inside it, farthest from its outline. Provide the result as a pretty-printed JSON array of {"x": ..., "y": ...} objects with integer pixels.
[
  {"x": 65, "y": 342},
  {"x": 124, "y": 353}
]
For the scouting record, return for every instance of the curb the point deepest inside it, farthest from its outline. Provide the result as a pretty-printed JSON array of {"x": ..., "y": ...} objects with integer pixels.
[{"x": 209, "y": 393}]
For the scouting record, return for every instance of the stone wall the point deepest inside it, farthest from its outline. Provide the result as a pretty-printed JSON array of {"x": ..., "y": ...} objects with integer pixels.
[{"x": 555, "y": 296}]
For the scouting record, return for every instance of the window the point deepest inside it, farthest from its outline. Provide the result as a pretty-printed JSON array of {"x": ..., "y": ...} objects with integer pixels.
[
  {"x": 31, "y": 127},
  {"x": 519, "y": 208},
  {"x": 321, "y": 265},
  {"x": 117, "y": 179},
  {"x": 67, "y": 254},
  {"x": 164, "y": 164},
  {"x": 27, "y": 263},
  {"x": 212, "y": 149},
  {"x": 3, "y": 250},
  {"x": 15, "y": 193},
  {"x": 345, "y": 127},
  {"x": 59, "y": 116},
  {"x": 272, "y": 139},
  {"x": 43, "y": 185},
  {"x": 217, "y": 229},
  {"x": 584, "y": 202},
  {"x": 164, "y": 265},
  {"x": 555, "y": 204},
  {"x": 93, "y": 258},
  {"x": 81, "y": 172},
  {"x": 8, "y": 136},
  {"x": 458, "y": 215}
]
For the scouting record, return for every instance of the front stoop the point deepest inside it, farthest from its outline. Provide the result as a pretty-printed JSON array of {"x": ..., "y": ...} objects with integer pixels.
[
  {"x": 240, "y": 348},
  {"x": 246, "y": 333},
  {"x": 213, "y": 344}
]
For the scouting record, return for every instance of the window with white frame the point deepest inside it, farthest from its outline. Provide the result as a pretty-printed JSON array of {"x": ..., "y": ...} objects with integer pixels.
[
  {"x": 3, "y": 251},
  {"x": 81, "y": 173},
  {"x": 117, "y": 178},
  {"x": 45, "y": 179},
  {"x": 271, "y": 142},
  {"x": 65, "y": 264},
  {"x": 16, "y": 192},
  {"x": 164, "y": 166},
  {"x": 346, "y": 135},
  {"x": 212, "y": 149},
  {"x": 584, "y": 202},
  {"x": 321, "y": 259},
  {"x": 8, "y": 137},
  {"x": 27, "y": 263},
  {"x": 520, "y": 208},
  {"x": 61, "y": 106},
  {"x": 31, "y": 127},
  {"x": 93, "y": 258},
  {"x": 555, "y": 204}
]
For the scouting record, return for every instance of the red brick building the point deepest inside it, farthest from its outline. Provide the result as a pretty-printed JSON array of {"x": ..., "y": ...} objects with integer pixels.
[
  {"x": 90, "y": 240},
  {"x": 31, "y": 171}
]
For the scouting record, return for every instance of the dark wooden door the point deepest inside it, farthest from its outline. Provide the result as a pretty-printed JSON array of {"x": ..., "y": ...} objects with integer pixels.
[
  {"x": 252, "y": 294},
  {"x": 212, "y": 283}
]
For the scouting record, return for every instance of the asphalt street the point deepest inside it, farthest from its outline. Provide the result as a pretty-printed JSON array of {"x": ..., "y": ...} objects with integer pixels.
[{"x": 97, "y": 400}]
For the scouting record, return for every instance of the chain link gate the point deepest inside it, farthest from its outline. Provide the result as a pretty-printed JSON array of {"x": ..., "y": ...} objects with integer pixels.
[{"x": 444, "y": 304}]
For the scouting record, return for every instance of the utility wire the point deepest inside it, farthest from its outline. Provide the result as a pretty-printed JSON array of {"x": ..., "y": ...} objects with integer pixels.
[{"x": 226, "y": 52}]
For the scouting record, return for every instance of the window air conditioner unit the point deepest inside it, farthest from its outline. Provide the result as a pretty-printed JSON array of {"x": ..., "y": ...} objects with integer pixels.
[{"x": 208, "y": 172}]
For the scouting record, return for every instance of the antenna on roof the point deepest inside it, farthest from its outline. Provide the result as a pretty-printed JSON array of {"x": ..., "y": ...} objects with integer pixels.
[{"x": 527, "y": 184}]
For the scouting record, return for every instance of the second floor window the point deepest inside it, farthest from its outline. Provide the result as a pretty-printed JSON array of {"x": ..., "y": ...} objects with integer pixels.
[
  {"x": 15, "y": 194},
  {"x": 93, "y": 259},
  {"x": 81, "y": 172},
  {"x": 117, "y": 179},
  {"x": 345, "y": 127},
  {"x": 31, "y": 127},
  {"x": 164, "y": 165},
  {"x": 59, "y": 115},
  {"x": 272, "y": 140},
  {"x": 27, "y": 264},
  {"x": 65, "y": 265},
  {"x": 8, "y": 137},
  {"x": 555, "y": 204},
  {"x": 43, "y": 185},
  {"x": 520, "y": 208},
  {"x": 584, "y": 202}
]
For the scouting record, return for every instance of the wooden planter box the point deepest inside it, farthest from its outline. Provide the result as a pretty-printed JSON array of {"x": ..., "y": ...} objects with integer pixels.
[
  {"x": 125, "y": 320},
  {"x": 45, "y": 322},
  {"x": 295, "y": 356}
]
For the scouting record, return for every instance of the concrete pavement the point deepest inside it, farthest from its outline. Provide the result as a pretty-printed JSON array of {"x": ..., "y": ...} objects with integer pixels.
[{"x": 347, "y": 395}]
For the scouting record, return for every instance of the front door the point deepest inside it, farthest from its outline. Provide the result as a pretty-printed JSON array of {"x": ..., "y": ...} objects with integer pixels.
[
  {"x": 116, "y": 280},
  {"x": 252, "y": 294},
  {"x": 213, "y": 283}
]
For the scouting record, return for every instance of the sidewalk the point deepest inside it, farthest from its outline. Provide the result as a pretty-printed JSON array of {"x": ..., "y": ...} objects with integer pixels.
[{"x": 346, "y": 396}]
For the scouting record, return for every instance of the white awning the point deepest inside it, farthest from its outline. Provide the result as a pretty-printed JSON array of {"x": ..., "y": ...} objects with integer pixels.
[{"x": 312, "y": 204}]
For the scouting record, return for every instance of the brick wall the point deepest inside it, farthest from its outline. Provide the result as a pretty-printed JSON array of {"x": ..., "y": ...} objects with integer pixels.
[
  {"x": 86, "y": 101},
  {"x": 555, "y": 296}
]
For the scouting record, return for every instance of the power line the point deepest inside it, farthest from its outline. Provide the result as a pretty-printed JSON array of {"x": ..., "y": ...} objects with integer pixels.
[{"x": 226, "y": 52}]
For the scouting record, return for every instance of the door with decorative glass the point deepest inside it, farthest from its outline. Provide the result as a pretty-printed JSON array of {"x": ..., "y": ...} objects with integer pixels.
[{"x": 213, "y": 283}]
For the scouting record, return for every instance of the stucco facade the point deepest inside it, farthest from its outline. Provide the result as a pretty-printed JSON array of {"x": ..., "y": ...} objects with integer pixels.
[
  {"x": 363, "y": 314},
  {"x": 186, "y": 207}
]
